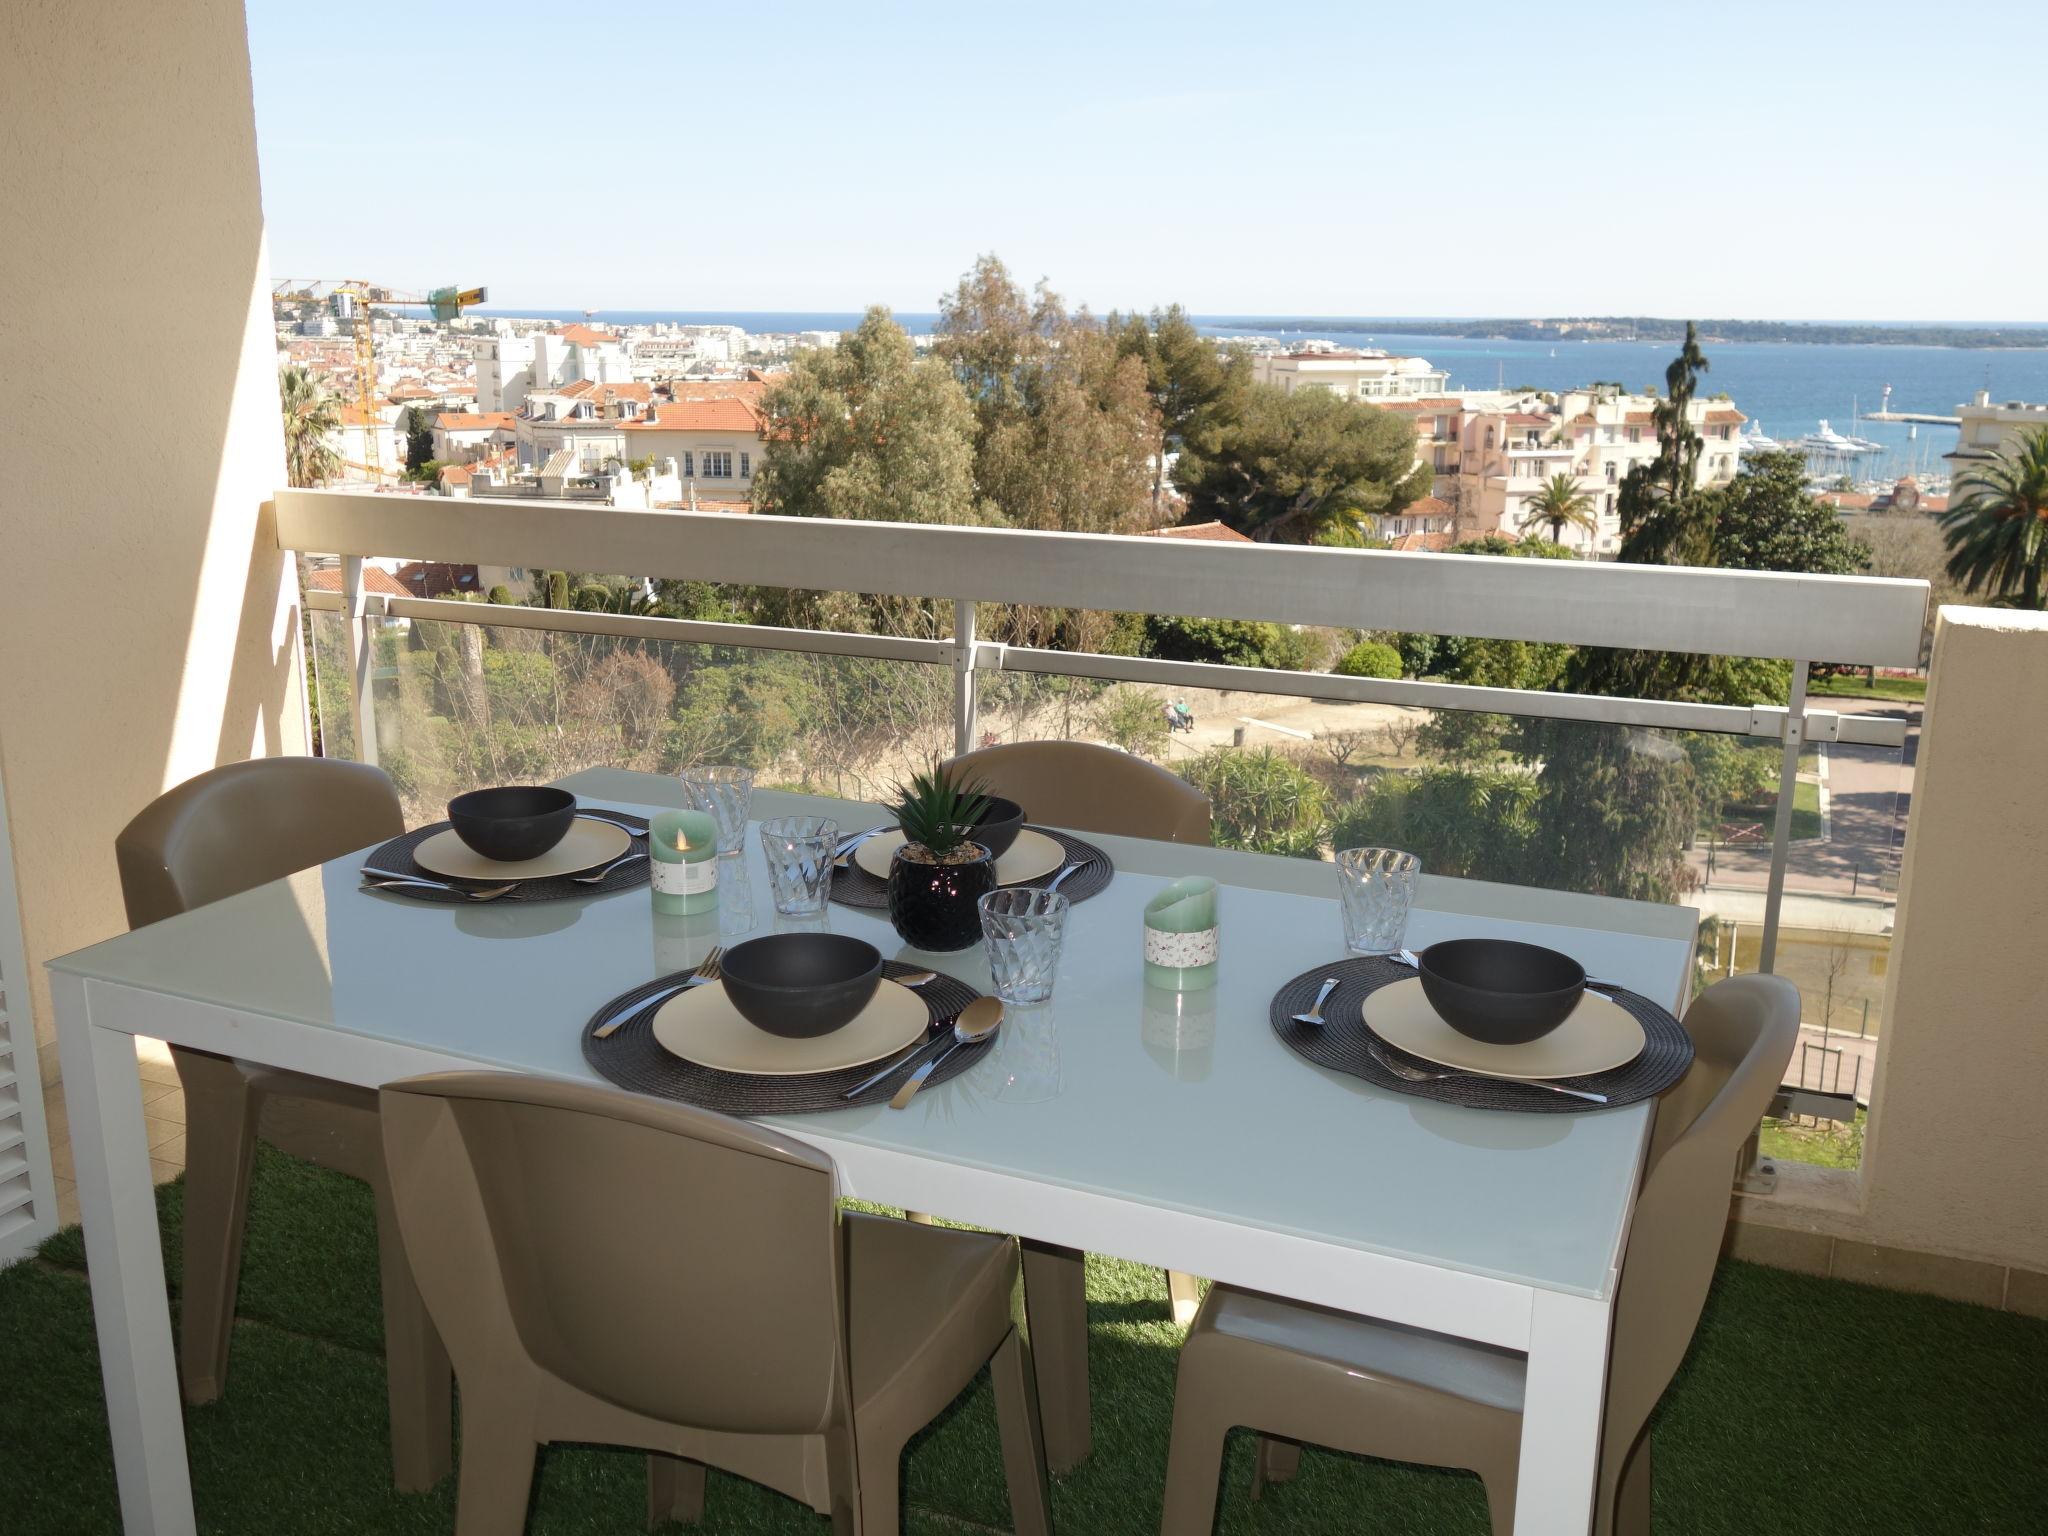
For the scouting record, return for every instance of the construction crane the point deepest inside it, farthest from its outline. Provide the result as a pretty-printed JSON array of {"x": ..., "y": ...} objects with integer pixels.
[{"x": 352, "y": 299}]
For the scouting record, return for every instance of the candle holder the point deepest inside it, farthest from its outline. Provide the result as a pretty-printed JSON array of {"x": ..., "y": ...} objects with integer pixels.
[
  {"x": 1181, "y": 936},
  {"x": 682, "y": 849}
]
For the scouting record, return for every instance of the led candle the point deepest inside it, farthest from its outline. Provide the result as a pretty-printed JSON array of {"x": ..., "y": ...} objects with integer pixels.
[{"x": 683, "y": 858}]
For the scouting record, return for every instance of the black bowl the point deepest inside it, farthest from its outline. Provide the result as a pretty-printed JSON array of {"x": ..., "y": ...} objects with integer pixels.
[
  {"x": 521, "y": 821},
  {"x": 1500, "y": 991},
  {"x": 997, "y": 826},
  {"x": 800, "y": 985}
]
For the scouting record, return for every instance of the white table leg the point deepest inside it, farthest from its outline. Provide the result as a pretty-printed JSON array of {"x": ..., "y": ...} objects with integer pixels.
[
  {"x": 117, "y": 1204},
  {"x": 1561, "y": 1415}
]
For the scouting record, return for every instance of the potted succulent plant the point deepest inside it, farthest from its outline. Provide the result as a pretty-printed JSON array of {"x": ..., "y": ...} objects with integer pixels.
[{"x": 940, "y": 874}]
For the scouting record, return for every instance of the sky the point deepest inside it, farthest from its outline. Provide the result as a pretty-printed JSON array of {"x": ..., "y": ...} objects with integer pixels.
[{"x": 1795, "y": 160}]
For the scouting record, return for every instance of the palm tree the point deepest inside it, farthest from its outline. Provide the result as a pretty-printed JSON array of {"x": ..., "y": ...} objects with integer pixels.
[
  {"x": 1997, "y": 526},
  {"x": 311, "y": 422},
  {"x": 1561, "y": 504}
]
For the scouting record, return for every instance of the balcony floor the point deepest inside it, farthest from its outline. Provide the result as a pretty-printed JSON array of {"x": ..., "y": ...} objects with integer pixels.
[{"x": 1806, "y": 1405}]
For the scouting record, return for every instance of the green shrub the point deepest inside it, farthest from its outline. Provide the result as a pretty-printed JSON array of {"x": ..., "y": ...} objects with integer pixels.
[
  {"x": 1226, "y": 642},
  {"x": 1260, "y": 800},
  {"x": 1478, "y": 823},
  {"x": 1369, "y": 658},
  {"x": 1132, "y": 719}
]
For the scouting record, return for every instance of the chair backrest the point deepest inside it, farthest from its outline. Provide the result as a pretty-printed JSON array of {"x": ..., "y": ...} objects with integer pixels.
[
  {"x": 1743, "y": 1030},
  {"x": 239, "y": 826},
  {"x": 1090, "y": 788},
  {"x": 675, "y": 1262}
]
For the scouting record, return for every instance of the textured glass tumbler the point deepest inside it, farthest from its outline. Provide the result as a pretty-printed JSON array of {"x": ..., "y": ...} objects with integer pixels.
[
  {"x": 1023, "y": 928},
  {"x": 799, "y": 850},
  {"x": 1378, "y": 887},
  {"x": 725, "y": 793}
]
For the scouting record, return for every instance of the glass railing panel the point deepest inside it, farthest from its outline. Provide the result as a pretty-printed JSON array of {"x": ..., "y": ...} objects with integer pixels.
[{"x": 466, "y": 705}]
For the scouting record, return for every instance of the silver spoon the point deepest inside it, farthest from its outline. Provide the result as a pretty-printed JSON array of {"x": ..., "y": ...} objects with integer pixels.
[
  {"x": 1409, "y": 1074},
  {"x": 381, "y": 879},
  {"x": 598, "y": 876},
  {"x": 977, "y": 1021},
  {"x": 1315, "y": 1009}
]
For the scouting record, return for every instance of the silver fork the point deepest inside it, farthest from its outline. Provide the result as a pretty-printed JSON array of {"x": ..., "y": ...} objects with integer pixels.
[
  {"x": 1409, "y": 1074},
  {"x": 708, "y": 970}
]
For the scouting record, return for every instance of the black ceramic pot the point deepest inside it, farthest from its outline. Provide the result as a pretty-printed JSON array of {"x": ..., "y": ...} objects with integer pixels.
[{"x": 934, "y": 906}]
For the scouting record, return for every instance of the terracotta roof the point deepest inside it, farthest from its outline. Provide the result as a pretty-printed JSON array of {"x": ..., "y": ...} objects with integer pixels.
[
  {"x": 1640, "y": 418},
  {"x": 1428, "y": 543},
  {"x": 1725, "y": 417},
  {"x": 1206, "y": 533},
  {"x": 602, "y": 394},
  {"x": 584, "y": 336},
  {"x": 355, "y": 416},
  {"x": 1527, "y": 419},
  {"x": 375, "y": 579},
  {"x": 471, "y": 421},
  {"x": 411, "y": 391},
  {"x": 721, "y": 415},
  {"x": 1585, "y": 419},
  {"x": 752, "y": 388},
  {"x": 455, "y": 474},
  {"x": 1429, "y": 506}
]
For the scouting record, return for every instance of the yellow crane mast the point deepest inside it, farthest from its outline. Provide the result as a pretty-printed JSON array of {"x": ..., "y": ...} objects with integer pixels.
[{"x": 352, "y": 299}]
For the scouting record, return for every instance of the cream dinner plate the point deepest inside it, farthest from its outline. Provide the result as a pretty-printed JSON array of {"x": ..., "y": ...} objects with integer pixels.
[
  {"x": 701, "y": 1025},
  {"x": 1031, "y": 857},
  {"x": 1598, "y": 1036},
  {"x": 587, "y": 845}
]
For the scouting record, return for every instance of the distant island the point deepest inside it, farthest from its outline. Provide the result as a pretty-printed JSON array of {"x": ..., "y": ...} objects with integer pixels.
[{"x": 1656, "y": 328}]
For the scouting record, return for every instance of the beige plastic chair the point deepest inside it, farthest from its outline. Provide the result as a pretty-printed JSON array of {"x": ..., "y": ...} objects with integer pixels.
[
  {"x": 1088, "y": 788},
  {"x": 1314, "y": 1375},
  {"x": 626, "y": 1271},
  {"x": 1085, "y": 788},
  {"x": 213, "y": 836}
]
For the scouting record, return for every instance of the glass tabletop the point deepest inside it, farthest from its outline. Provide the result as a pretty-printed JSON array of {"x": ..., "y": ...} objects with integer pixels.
[{"x": 1183, "y": 1101}]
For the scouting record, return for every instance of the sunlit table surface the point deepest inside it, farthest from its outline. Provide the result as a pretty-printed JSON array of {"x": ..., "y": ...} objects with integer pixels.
[{"x": 1185, "y": 1101}]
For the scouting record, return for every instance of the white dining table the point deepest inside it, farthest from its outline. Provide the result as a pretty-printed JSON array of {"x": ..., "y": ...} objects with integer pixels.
[{"x": 1172, "y": 1129}]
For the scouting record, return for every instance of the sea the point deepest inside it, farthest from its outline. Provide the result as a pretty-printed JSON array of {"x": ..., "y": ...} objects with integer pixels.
[{"x": 1789, "y": 388}]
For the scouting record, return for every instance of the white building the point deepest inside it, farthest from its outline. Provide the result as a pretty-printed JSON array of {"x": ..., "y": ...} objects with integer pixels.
[
  {"x": 508, "y": 368},
  {"x": 1369, "y": 375},
  {"x": 1988, "y": 430}
]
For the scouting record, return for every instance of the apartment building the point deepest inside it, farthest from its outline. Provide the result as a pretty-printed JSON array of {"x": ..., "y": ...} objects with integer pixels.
[
  {"x": 715, "y": 443},
  {"x": 1366, "y": 375},
  {"x": 462, "y": 437},
  {"x": 1492, "y": 451},
  {"x": 1988, "y": 430},
  {"x": 509, "y": 368}
]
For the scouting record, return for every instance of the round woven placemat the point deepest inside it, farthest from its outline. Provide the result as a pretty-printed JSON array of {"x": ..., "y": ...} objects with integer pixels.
[
  {"x": 1341, "y": 1043},
  {"x": 855, "y": 887},
  {"x": 632, "y": 1058},
  {"x": 395, "y": 857}
]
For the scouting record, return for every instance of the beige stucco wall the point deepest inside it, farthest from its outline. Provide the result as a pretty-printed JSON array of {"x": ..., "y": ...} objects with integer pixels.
[
  {"x": 1954, "y": 1162},
  {"x": 145, "y": 632},
  {"x": 1953, "y": 1165}
]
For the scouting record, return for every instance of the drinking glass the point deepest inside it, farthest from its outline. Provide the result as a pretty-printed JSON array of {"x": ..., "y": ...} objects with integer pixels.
[
  {"x": 1378, "y": 887},
  {"x": 725, "y": 793},
  {"x": 1023, "y": 927},
  {"x": 799, "y": 850}
]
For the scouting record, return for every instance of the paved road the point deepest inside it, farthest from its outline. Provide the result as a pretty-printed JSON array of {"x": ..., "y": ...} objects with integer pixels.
[{"x": 1869, "y": 792}]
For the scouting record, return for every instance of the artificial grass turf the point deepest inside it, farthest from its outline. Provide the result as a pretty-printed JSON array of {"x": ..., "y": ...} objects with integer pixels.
[{"x": 1806, "y": 1405}]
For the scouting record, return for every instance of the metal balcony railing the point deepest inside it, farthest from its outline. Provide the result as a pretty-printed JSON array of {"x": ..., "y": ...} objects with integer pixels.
[{"x": 1843, "y": 619}]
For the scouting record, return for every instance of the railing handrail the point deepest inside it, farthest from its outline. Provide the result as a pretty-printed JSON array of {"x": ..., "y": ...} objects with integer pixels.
[{"x": 1853, "y": 619}]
